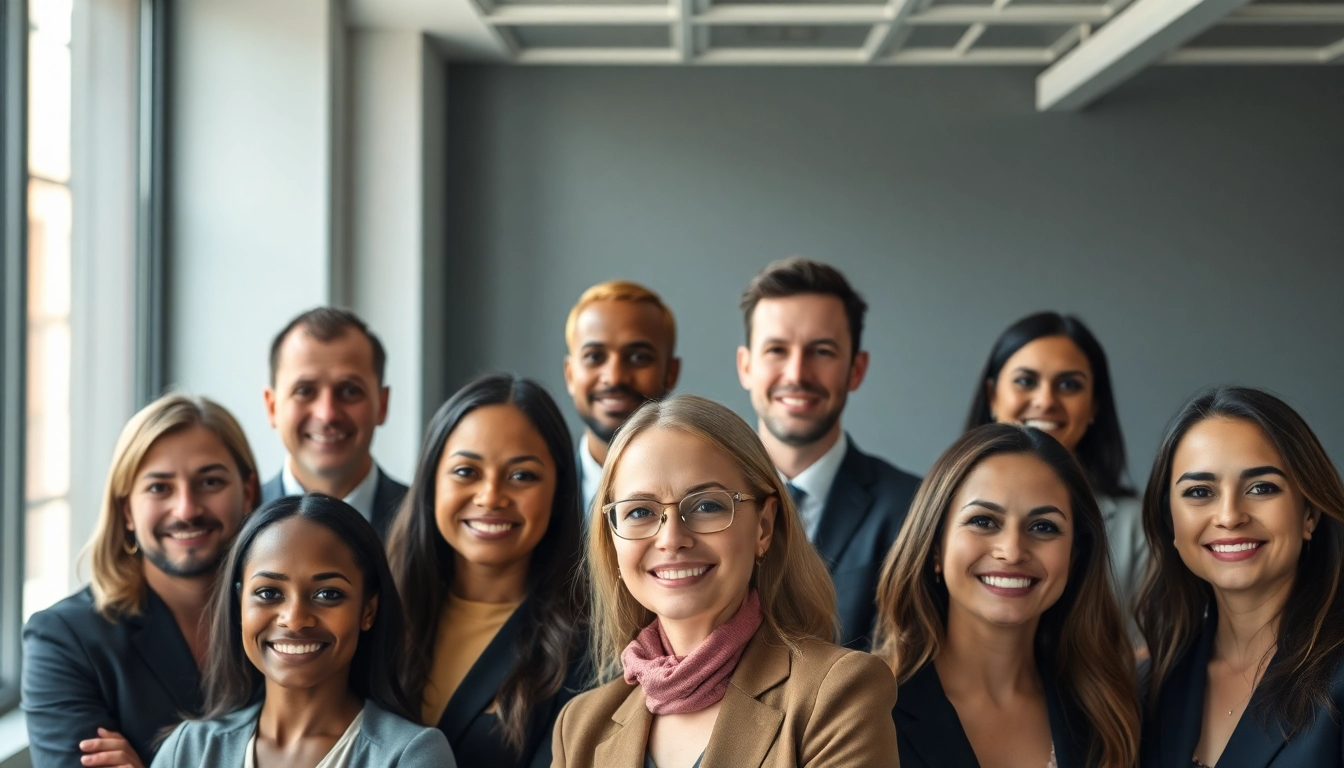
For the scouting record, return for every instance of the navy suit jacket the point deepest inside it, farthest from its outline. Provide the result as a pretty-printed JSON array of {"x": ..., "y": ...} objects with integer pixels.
[
  {"x": 929, "y": 732},
  {"x": 862, "y": 517},
  {"x": 82, "y": 672},
  {"x": 471, "y": 730},
  {"x": 1171, "y": 732},
  {"x": 387, "y": 499}
]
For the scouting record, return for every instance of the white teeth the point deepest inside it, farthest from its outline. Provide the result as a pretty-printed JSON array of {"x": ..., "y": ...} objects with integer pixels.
[
  {"x": 185, "y": 535},
  {"x": 489, "y": 527},
  {"x": 295, "y": 649},
  {"x": 327, "y": 439},
  {"x": 799, "y": 401},
  {"x": 1006, "y": 582},
  {"x": 682, "y": 573},
  {"x": 1040, "y": 424},
  {"x": 1235, "y": 547}
]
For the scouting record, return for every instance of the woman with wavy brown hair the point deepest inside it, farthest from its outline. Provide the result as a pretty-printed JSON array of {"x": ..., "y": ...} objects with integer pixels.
[
  {"x": 1243, "y": 607},
  {"x": 997, "y": 616},
  {"x": 714, "y": 619}
]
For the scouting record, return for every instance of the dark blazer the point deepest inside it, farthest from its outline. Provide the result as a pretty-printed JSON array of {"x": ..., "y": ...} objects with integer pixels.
[
  {"x": 930, "y": 735},
  {"x": 823, "y": 707},
  {"x": 82, "y": 672},
  {"x": 471, "y": 730},
  {"x": 385, "y": 740},
  {"x": 1171, "y": 732},
  {"x": 862, "y": 517},
  {"x": 387, "y": 498}
]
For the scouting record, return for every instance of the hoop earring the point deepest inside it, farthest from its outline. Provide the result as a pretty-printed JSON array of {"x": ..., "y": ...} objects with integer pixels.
[{"x": 133, "y": 549}]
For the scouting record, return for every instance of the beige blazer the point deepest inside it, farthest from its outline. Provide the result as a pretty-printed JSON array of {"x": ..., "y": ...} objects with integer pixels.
[{"x": 826, "y": 706}]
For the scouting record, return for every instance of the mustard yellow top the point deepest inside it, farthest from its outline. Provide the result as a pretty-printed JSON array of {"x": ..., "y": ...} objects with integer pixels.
[{"x": 465, "y": 629}]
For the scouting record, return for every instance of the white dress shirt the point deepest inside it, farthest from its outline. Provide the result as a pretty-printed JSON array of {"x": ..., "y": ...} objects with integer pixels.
[
  {"x": 590, "y": 475},
  {"x": 362, "y": 498},
  {"x": 815, "y": 482}
]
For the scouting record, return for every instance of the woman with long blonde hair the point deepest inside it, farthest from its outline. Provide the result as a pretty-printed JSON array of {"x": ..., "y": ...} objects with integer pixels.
[
  {"x": 713, "y": 617},
  {"x": 997, "y": 616},
  {"x": 108, "y": 667}
]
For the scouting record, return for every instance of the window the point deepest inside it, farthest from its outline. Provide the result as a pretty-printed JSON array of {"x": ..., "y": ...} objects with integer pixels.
[
  {"x": 80, "y": 130},
  {"x": 47, "y": 550}
]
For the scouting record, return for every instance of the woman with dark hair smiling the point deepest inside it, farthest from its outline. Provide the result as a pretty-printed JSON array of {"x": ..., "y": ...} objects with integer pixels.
[
  {"x": 306, "y": 634},
  {"x": 486, "y": 551},
  {"x": 1243, "y": 608},
  {"x": 1048, "y": 371},
  {"x": 996, "y": 614}
]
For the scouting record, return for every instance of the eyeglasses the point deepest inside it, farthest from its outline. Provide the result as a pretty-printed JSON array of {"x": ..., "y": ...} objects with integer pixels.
[{"x": 703, "y": 512}]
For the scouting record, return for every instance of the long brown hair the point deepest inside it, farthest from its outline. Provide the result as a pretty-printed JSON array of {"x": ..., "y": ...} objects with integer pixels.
[
  {"x": 1082, "y": 633},
  {"x": 1174, "y": 601},
  {"x": 551, "y": 636},
  {"x": 116, "y": 578},
  {"x": 797, "y": 596}
]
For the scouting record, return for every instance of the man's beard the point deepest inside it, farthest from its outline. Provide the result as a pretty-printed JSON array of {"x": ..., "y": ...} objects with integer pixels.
[
  {"x": 808, "y": 432},
  {"x": 603, "y": 432},
  {"x": 191, "y": 568}
]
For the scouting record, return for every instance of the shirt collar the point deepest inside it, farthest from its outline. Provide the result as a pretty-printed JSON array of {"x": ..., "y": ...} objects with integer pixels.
[
  {"x": 590, "y": 473},
  {"x": 362, "y": 497},
  {"x": 817, "y": 479}
]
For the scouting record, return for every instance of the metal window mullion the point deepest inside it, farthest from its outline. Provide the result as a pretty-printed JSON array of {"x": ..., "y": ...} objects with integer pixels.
[
  {"x": 150, "y": 327},
  {"x": 13, "y": 340}
]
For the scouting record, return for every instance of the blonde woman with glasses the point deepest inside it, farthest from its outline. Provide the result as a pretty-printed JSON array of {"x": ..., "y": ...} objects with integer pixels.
[{"x": 713, "y": 617}]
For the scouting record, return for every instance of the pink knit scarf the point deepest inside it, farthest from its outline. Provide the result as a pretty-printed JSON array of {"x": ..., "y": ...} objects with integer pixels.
[{"x": 675, "y": 685}]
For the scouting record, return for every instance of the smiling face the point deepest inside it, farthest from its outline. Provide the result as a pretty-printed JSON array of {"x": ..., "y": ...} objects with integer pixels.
[
  {"x": 800, "y": 366},
  {"x": 303, "y": 605},
  {"x": 1047, "y": 384},
  {"x": 1239, "y": 522},
  {"x": 1007, "y": 542},
  {"x": 695, "y": 578},
  {"x": 495, "y": 487},
  {"x": 621, "y": 357},
  {"x": 187, "y": 502},
  {"x": 325, "y": 404}
]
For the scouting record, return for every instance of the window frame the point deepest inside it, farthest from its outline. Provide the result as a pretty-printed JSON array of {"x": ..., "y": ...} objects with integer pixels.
[
  {"x": 148, "y": 370},
  {"x": 13, "y": 336}
]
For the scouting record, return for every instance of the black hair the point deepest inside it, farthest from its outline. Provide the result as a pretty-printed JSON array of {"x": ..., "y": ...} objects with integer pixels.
[
  {"x": 1174, "y": 601},
  {"x": 1102, "y": 449},
  {"x": 552, "y": 632},
  {"x": 231, "y": 681}
]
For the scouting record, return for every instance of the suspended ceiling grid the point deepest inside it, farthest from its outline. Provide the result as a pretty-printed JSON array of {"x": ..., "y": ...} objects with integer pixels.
[{"x": 883, "y": 32}]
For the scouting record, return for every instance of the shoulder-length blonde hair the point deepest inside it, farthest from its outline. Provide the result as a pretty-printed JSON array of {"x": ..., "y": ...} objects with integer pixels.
[
  {"x": 118, "y": 582},
  {"x": 797, "y": 597},
  {"x": 1082, "y": 634}
]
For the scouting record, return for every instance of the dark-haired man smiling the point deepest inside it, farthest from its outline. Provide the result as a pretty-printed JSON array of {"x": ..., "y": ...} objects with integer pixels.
[{"x": 802, "y": 359}]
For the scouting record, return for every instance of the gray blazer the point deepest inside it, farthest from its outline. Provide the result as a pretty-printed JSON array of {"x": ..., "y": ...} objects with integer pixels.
[{"x": 384, "y": 741}]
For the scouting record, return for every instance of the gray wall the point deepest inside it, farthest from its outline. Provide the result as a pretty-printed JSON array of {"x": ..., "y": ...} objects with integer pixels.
[{"x": 1194, "y": 218}]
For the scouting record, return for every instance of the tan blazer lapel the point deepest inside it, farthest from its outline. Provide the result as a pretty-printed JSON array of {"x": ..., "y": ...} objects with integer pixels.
[
  {"x": 746, "y": 729},
  {"x": 625, "y": 747}
]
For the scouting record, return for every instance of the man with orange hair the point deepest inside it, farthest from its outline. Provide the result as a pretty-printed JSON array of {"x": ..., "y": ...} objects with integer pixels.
[{"x": 621, "y": 338}]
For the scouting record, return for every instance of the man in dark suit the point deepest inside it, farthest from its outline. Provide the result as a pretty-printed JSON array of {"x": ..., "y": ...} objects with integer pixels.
[
  {"x": 326, "y": 398},
  {"x": 620, "y": 337},
  {"x": 802, "y": 359}
]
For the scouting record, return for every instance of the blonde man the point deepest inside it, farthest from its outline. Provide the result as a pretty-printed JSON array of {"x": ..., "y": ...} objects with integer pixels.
[
  {"x": 108, "y": 667},
  {"x": 621, "y": 338}
]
